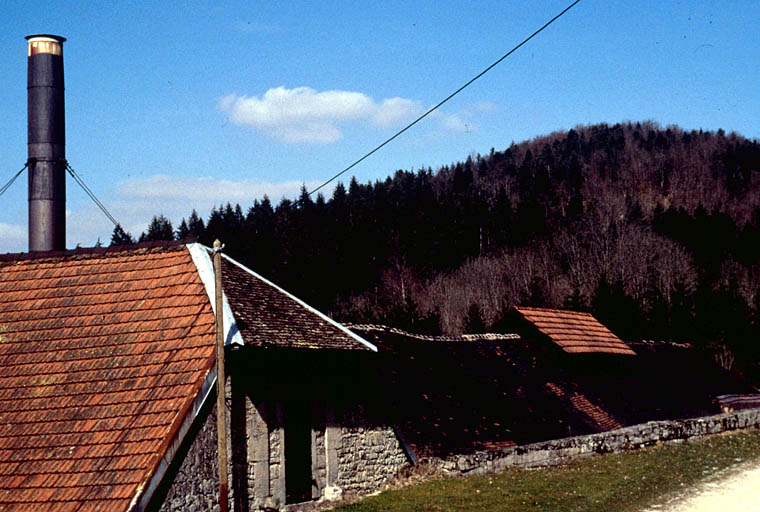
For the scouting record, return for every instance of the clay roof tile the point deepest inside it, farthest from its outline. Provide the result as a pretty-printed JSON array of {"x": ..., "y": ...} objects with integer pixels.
[
  {"x": 573, "y": 331},
  {"x": 86, "y": 394},
  {"x": 101, "y": 353}
]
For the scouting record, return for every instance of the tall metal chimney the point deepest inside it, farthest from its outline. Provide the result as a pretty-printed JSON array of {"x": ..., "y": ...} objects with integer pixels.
[{"x": 47, "y": 143}]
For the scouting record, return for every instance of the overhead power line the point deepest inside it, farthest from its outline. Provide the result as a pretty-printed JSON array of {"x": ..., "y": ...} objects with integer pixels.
[
  {"x": 423, "y": 116},
  {"x": 90, "y": 193},
  {"x": 10, "y": 182}
]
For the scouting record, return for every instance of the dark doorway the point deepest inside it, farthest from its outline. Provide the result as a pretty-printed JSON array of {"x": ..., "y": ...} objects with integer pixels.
[{"x": 298, "y": 478}]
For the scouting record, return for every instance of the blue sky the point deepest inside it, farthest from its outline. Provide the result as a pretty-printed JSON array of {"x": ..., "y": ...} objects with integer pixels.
[{"x": 175, "y": 107}]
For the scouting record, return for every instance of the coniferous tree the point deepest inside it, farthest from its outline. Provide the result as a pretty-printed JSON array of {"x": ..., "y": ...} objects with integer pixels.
[
  {"x": 214, "y": 227},
  {"x": 160, "y": 228},
  {"x": 195, "y": 225},
  {"x": 182, "y": 231},
  {"x": 121, "y": 237},
  {"x": 616, "y": 309},
  {"x": 577, "y": 301},
  {"x": 666, "y": 215}
]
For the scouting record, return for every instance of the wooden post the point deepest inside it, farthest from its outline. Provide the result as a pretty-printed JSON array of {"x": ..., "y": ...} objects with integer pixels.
[{"x": 221, "y": 416}]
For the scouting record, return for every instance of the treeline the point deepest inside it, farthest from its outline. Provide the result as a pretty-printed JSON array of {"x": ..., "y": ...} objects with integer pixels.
[{"x": 656, "y": 231}]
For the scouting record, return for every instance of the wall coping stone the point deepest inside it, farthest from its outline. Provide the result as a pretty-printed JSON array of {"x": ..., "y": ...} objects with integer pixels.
[{"x": 558, "y": 451}]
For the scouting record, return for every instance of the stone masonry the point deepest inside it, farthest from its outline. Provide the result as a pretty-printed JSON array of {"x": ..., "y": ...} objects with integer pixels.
[
  {"x": 557, "y": 451},
  {"x": 349, "y": 455},
  {"x": 369, "y": 455}
]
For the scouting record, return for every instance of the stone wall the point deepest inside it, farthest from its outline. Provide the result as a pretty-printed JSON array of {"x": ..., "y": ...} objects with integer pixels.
[
  {"x": 369, "y": 454},
  {"x": 318, "y": 451},
  {"x": 354, "y": 453},
  {"x": 350, "y": 454},
  {"x": 276, "y": 456},
  {"x": 557, "y": 451}
]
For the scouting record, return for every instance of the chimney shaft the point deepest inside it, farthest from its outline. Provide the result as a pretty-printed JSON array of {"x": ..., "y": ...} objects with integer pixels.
[{"x": 47, "y": 143}]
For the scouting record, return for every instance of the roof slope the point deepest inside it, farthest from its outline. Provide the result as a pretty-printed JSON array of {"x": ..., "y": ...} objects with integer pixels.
[
  {"x": 101, "y": 354},
  {"x": 267, "y": 315},
  {"x": 574, "y": 331},
  {"x": 450, "y": 395}
]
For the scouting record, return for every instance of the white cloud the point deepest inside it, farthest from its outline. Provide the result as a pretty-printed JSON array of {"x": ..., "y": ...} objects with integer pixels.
[
  {"x": 303, "y": 114},
  {"x": 454, "y": 123},
  {"x": 395, "y": 111},
  {"x": 12, "y": 230},
  {"x": 13, "y": 237},
  {"x": 166, "y": 189}
]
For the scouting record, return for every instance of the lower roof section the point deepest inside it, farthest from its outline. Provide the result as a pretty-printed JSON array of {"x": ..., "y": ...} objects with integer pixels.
[{"x": 450, "y": 395}]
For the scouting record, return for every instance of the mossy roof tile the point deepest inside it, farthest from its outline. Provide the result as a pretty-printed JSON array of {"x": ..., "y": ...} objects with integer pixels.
[{"x": 99, "y": 354}]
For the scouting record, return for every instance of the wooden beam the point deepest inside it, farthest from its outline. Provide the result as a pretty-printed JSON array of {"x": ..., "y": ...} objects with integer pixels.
[{"x": 221, "y": 416}]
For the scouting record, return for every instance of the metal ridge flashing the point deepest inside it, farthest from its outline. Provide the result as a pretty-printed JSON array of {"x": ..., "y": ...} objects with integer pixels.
[
  {"x": 204, "y": 265},
  {"x": 321, "y": 315}
]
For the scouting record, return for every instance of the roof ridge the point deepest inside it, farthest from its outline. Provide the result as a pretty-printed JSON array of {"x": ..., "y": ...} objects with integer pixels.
[
  {"x": 156, "y": 265},
  {"x": 431, "y": 337},
  {"x": 556, "y": 310},
  {"x": 660, "y": 342},
  {"x": 96, "y": 251}
]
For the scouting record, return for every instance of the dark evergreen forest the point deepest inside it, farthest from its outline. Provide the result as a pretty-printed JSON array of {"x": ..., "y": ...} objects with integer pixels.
[{"x": 654, "y": 230}]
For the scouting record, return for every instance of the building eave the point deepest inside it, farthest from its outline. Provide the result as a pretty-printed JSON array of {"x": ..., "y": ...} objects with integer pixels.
[{"x": 186, "y": 419}]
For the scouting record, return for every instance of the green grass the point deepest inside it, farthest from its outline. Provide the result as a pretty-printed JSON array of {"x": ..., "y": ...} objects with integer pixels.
[{"x": 616, "y": 482}]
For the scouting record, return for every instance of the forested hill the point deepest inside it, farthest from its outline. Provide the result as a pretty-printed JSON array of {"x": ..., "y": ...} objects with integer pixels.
[{"x": 656, "y": 231}]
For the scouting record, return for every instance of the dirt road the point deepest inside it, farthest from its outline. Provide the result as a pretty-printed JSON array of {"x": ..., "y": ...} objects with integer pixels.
[{"x": 736, "y": 490}]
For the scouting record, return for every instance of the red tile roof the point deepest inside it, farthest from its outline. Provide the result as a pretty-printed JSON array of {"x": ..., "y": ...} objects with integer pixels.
[
  {"x": 101, "y": 354},
  {"x": 602, "y": 420},
  {"x": 573, "y": 331}
]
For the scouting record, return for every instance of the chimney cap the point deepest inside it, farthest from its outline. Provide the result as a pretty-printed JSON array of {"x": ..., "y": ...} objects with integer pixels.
[{"x": 45, "y": 37}]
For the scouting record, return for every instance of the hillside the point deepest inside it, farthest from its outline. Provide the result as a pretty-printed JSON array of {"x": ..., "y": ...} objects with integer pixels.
[{"x": 656, "y": 230}]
